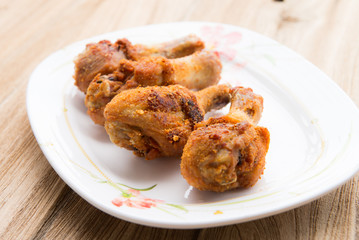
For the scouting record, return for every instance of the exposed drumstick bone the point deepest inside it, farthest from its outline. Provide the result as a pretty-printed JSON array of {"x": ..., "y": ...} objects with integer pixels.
[
  {"x": 177, "y": 48},
  {"x": 103, "y": 57}
]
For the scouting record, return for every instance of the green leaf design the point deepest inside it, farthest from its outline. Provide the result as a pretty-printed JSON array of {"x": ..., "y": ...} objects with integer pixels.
[
  {"x": 177, "y": 206},
  {"x": 120, "y": 184},
  {"x": 127, "y": 194},
  {"x": 85, "y": 170},
  {"x": 138, "y": 189},
  {"x": 269, "y": 58},
  {"x": 168, "y": 212},
  {"x": 115, "y": 186}
]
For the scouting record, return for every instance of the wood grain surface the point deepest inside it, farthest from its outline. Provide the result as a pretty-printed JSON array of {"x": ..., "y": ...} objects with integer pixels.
[{"x": 36, "y": 204}]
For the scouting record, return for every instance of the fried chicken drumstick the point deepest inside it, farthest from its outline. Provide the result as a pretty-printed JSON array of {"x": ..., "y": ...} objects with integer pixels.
[
  {"x": 228, "y": 152},
  {"x": 198, "y": 70},
  {"x": 157, "y": 121},
  {"x": 103, "y": 57}
]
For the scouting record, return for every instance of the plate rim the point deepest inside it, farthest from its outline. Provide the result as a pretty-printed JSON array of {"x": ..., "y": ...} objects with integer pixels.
[{"x": 180, "y": 225}]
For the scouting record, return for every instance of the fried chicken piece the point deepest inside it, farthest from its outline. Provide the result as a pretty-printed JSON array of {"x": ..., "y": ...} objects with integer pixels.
[
  {"x": 198, "y": 70},
  {"x": 156, "y": 121},
  {"x": 101, "y": 91},
  {"x": 103, "y": 57},
  {"x": 228, "y": 152}
]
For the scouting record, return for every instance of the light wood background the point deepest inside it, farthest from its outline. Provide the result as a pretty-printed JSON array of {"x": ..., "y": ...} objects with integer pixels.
[{"x": 36, "y": 204}]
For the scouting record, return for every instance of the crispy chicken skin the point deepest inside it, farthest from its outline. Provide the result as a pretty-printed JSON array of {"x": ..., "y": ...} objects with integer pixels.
[
  {"x": 228, "y": 152},
  {"x": 156, "y": 121},
  {"x": 103, "y": 57},
  {"x": 129, "y": 75},
  {"x": 198, "y": 70},
  {"x": 100, "y": 92}
]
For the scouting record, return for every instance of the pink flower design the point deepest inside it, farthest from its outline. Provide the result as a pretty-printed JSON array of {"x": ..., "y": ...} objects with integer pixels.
[
  {"x": 133, "y": 198},
  {"x": 221, "y": 41}
]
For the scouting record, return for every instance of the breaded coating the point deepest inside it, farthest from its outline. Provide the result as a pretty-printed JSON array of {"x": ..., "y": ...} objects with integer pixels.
[
  {"x": 228, "y": 152},
  {"x": 156, "y": 121},
  {"x": 102, "y": 57},
  {"x": 100, "y": 92}
]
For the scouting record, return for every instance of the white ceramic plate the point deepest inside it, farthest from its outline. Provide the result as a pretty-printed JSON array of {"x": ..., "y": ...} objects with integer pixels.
[{"x": 314, "y": 130}]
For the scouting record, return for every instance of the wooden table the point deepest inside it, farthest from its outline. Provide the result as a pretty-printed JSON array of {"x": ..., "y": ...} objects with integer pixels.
[{"x": 35, "y": 203}]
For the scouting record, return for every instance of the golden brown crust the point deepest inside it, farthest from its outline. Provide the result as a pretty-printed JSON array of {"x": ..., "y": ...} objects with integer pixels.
[
  {"x": 97, "y": 58},
  {"x": 100, "y": 92},
  {"x": 152, "y": 121},
  {"x": 127, "y": 48},
  {"x": 150, "y": 71},
  {"x": 227, "y": 152},
  {"x": 225, "y": 156}
]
